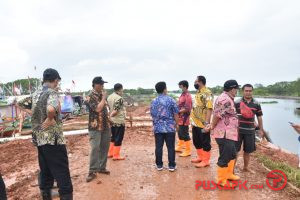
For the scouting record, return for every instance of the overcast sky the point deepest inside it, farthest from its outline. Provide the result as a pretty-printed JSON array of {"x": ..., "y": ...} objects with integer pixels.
[{"x": 138, "y": 42}]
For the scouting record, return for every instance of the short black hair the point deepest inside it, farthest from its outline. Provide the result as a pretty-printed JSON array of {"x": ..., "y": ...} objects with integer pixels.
[
  {"x": 160, "y": 87},
  {"x": 247, "y": 85},
  {"x": 202, "y": 79},
  {"x": 184, "y": 83},
  {"x": 118, "y": 87}
]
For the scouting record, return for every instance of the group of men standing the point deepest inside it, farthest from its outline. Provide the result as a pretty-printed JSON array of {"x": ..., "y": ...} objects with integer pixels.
[
  {"x": 231, "y": 123},
  {"x": 106, "y": 131}
]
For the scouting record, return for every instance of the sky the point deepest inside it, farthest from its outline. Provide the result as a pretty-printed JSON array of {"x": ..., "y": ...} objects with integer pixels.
[{"x": 138, "y": 42}]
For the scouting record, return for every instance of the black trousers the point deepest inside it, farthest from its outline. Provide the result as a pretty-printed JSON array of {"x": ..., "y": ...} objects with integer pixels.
[
  {"x": 2, "y": 189},
  {"x": 117, "y": 135},
  {"x": 201, "y": 140},
  {"x": 169, "y": 138},
  {"x": 183, "y": 133},
  {"x": 54, "y": 164},
  {"x": 227, "y": 151}
]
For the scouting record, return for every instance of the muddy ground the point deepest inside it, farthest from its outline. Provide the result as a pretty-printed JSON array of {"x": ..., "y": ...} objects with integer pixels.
[{"x": 134, "y": 178}]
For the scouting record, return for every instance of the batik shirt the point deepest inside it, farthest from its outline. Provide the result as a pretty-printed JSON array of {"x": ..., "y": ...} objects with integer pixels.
[
  {"x": 203, "y": 102},
  {"x": 116, "y": 103},
  {"x": 163, "y": 109},
  {"x": 185, "y": 102},
  {"x": 53, "y": 135},
  {"x": 98, "y": 121},
  {"x": 227, "y": 126}
]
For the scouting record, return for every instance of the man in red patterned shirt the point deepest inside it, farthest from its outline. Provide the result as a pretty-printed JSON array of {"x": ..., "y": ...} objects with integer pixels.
[{"x": 185, "y": 107}]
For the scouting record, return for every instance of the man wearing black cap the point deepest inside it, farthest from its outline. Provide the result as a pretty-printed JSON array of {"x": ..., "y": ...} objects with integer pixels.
[
  {"x": 224, "y": 128},
  {"x": 99, "y": 129},
  {"x": 48, "y": 137}
]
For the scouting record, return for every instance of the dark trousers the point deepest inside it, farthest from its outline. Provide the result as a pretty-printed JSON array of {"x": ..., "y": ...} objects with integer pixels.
[
  {"x": 183, "y": 133},
  {"x": 117, "y": 135},
  {"x": 169, "y": 138},
  {"x": 201, "y": 140},
  {"x": 54, "y": 164},
  {"x": 2, "y": 189},
  {"x": 227, "y": 151}
]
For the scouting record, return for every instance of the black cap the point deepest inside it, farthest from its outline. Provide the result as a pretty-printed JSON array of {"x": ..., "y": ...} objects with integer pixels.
[
  {"x": 50, "y": 75},
  {"x": 231, "y": 84},
  {"x": 98, "y": 80}
]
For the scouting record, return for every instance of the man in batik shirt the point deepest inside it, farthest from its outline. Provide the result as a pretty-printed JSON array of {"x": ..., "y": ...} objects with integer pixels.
[
  {"x": 99, "y": 129},
  {"x": 164, "y": 112},
  {"x": 48, "y": 136},
  {"x": 200, "y": 120},
  {"x": 224, "y": 128},
  {"x": 185, "y": 107}
]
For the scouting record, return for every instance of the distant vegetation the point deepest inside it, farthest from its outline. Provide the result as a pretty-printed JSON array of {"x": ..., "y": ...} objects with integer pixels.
[
  {"x": 23, "y": 85},
  {"x": 278, "y": 89}
]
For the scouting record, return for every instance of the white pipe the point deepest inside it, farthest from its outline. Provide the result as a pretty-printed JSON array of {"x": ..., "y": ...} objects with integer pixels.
[{"x": 25, "y": 137}]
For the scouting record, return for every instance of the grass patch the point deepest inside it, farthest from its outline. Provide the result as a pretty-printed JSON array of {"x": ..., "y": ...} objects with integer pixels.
[{"x": 292, "y": 173}]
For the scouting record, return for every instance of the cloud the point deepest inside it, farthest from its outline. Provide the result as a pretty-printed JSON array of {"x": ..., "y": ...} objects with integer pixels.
[{"x": 140, "y": 42}]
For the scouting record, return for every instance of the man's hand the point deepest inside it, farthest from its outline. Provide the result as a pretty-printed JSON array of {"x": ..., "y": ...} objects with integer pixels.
[
  {"x": 207, "y": 128},
  {"x": 47, "y": 123},
  {"x": 261, "y": 133},
  {"x": 177, "y": 127},
  {"x": 104, "y": 94}
]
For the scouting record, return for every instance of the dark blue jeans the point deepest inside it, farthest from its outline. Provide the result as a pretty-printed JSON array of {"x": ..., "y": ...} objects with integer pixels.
[
  {"x": 169, "y": 138},
  {"x": 2, "y": 189}
]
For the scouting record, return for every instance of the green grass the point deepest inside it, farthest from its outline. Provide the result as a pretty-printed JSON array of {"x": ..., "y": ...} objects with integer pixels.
[{"x": 292, "y": 173}]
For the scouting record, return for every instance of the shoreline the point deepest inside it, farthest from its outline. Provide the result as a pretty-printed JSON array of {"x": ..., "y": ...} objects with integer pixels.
[{"x": 278, "y": 97}]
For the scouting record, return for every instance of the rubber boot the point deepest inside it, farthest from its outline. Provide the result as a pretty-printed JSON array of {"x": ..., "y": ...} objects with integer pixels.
[
  {"x": 222, "y": 176},
  {"x": 205, "y": 160},
  {"x": 231, "y": 176},
  {"x": 111, "y": 150},
  {"x": 116, "y": 155},
  {"x": 179, "y": 146},
  {"x": 46, "y": 194},
  {"x": 222, "y": 179},
  {"x": 187, "y": 152},
  {"x": 199, "y": 156}
]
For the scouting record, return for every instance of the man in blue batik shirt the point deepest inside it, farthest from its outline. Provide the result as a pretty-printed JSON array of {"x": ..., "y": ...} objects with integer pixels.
[{"x": 164, "y": 112}]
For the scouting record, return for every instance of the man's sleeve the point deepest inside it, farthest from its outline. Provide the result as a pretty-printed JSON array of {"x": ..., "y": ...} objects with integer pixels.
[
  {"x": 259, "y": 112},
  {"x": 93, "y": 103},
  {"x": 118, "y": 104},
  {"x": 175, "y": 108},
  {"x": 221, "y": 108},
  {"x": 152, "y": 109},
  {"x": 53, "y": 100},
  {"x": 188, "y": 103}
]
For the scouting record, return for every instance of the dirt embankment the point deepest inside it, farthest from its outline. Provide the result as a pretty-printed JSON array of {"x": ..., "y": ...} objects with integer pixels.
[{"x": 134, "y": 178}]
